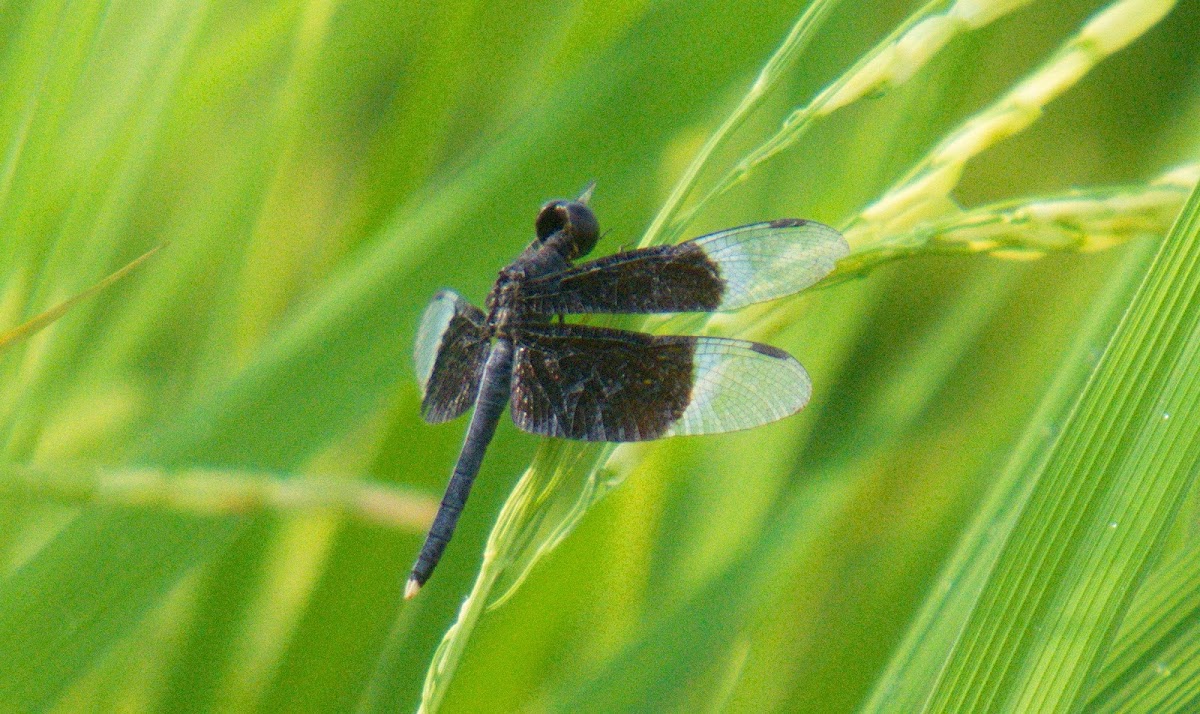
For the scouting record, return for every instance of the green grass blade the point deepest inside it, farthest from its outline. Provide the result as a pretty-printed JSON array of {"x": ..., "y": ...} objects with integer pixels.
[
  {"x": 1100, "y": 509},
  {"x": 919, "y": 659},
  {"x": 1153, "y": 664}
]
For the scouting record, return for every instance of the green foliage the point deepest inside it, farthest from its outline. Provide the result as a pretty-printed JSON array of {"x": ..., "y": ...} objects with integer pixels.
[{"x": 214, "y": 476}]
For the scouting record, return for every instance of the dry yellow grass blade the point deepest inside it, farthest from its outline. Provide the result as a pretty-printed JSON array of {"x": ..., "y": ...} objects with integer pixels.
[{"x": 39, "y": 322}]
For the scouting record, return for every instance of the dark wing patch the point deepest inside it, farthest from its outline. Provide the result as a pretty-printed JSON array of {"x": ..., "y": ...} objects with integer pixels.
[
  {"x": 725, "y": 270},
  {"x": 450, "y": 352},
  {"x": 665, "y": 278},
  {"x": 597, "y": 384}
]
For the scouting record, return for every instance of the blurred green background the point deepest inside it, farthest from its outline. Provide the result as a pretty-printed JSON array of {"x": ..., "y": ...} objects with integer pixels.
[{"x": 318, "y": 170}]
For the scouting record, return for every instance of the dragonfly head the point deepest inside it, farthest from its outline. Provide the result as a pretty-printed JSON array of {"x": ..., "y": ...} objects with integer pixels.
[{"x": 569, "y": 227}]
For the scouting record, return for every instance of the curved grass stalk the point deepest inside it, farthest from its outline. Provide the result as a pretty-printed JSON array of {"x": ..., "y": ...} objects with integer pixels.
[
  {"x": 1080, "y": 220},
  {"x": 925, "y": 191},
  {"x": 520, "y": 511},
  {"x": 888, "y": 65},
  {"x": 776, "y": 67}
]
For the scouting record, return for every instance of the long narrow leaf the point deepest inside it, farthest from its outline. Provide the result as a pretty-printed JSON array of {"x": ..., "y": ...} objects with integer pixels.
[{"x": 1099, "y": 511}]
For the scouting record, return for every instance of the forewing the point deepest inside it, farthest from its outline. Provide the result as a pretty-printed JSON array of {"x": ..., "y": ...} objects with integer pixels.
[
  {"x": 665, "y": 278},
  {"x": 726, "y": 270},
  {"x": 596, "y": 384},
  {"x": 449, "y": 355}
]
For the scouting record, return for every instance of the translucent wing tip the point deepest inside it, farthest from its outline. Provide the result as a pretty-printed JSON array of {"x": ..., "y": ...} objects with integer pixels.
[
  {"x": 766, "y": 261},
  {"x": 740, "y": 385},
  {"x": 434, "y": 322},
  {"x": 829, "y": 246},
  {"x": 828, "y": 238}
]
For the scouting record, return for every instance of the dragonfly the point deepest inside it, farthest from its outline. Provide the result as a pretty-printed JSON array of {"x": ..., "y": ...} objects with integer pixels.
[{"x": 590, "y": 383}]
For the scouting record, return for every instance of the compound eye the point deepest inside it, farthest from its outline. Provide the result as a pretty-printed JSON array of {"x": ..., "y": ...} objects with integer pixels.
[
  {"x": 574, "y": 222},
  {"x": 550, "y": 219}
]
